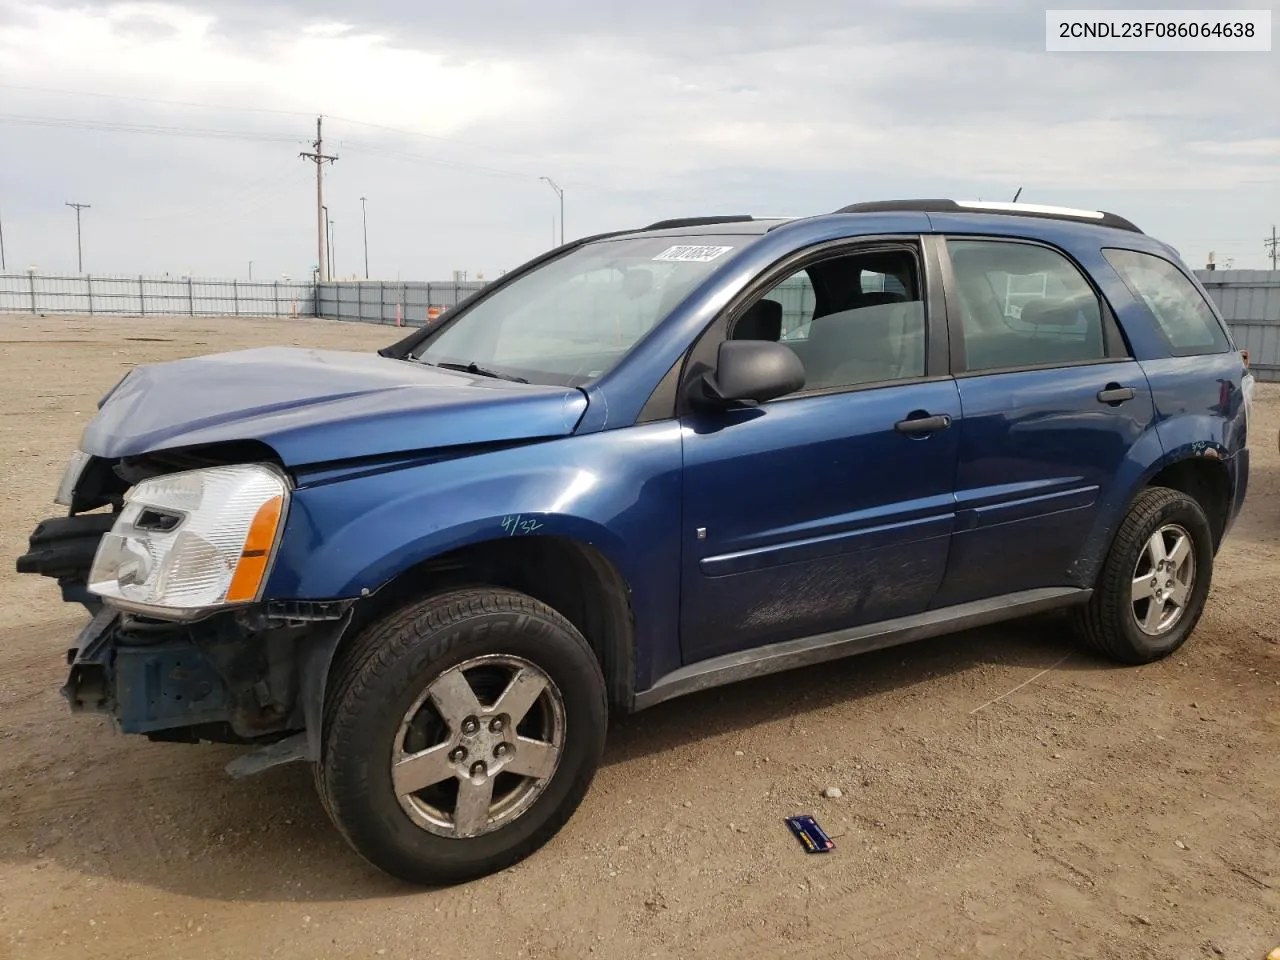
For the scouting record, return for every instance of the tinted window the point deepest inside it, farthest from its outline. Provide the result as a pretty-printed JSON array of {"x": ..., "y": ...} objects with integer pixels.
[
  {"x": 798, "y": 301},
  {"x": 1023, "y": 305},
  {"x": 855, "y": 332},
  {"x": 573, "y": 318},
  {"x": 1182, "y": 314}
]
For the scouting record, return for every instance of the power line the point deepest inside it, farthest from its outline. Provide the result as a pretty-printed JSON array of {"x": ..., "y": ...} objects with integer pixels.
[
  {"x": 292, "y": 113},
  {"x": 104, "y": 126},
  {"x": 230, "y": 207},
  {"x": 171, "y": 103},
  {"x": 436, "y": 161},
  {"x": 73, "y": 123}
]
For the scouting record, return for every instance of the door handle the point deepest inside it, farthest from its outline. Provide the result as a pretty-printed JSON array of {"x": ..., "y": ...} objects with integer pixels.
[
  {"x": 1115, "y": 394},
  {"x": 926, "y": 424}
]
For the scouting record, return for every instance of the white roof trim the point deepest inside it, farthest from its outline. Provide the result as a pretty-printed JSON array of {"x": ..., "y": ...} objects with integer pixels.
[{"x": 1030, "y": 208}]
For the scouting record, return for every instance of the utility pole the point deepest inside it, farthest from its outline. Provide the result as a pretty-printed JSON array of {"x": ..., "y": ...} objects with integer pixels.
[
  {"x": 79, "y": 248},
  {"x": 2, "y": 264},
  {"x": 250, "y": 270},
  {"x": 1274, "y": 244},
  {"x": 319, "y": 158},
  {"x": 333, "y": 256},
  {"x": 551, "y": 183},
  {"x": 364, "y": 219}
]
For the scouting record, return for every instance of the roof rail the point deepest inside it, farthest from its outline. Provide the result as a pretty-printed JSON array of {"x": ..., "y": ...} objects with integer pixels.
[
  {"x": 698, "y": 221},
  {"x": 1100, "y": 217}
]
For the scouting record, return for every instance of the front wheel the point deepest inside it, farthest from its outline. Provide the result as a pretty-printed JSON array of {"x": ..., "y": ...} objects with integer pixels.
[
  {"x": 1154, "y": 582},
  {"x": 461, "y": 733}
]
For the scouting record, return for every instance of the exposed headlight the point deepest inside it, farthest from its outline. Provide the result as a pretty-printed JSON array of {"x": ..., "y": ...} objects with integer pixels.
[
  {"x": 75, "y": 467},
  {"x": 190, "y": 542}
]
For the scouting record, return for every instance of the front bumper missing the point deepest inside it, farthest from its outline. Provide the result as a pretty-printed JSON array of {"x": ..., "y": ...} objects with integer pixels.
[
  {"x": 249, "y": 677},
  {"x": 143, "y": 688},
  {"x": 88, "y": 687},
  {"x": 255, "y": 675}
]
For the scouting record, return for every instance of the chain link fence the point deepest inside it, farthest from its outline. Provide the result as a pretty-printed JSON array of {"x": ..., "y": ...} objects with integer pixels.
[
  {"x": 143, "y": 296},
  {"x": 1250, "y": 303},
  {"x": 408, "y": 303},
  {"x": 1248, "y": 299}
]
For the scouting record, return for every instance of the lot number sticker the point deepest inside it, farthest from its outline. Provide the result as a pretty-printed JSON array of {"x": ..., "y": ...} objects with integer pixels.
[{"x": 692, "y": 254}]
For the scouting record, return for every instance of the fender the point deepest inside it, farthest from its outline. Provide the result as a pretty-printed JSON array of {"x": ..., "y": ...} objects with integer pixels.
[{"x": 618, "y": 491}]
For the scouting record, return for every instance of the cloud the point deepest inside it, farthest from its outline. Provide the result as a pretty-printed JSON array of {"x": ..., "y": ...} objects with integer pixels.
[{"x": 639, "y": 110}]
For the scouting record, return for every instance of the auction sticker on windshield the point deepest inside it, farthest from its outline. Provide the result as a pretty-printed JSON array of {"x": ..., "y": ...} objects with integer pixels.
[{"x": 692, "y": 254}]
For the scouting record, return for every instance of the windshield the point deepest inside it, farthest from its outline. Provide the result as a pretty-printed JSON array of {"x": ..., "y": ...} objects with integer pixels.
[{"x": 573, "y": 319}]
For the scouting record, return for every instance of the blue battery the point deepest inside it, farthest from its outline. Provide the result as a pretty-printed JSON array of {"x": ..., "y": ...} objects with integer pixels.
[{"x": 811, "y": 836}]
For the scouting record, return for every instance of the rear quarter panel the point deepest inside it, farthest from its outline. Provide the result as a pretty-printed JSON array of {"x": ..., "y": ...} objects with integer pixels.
[{"x": 1200, "y": 401}]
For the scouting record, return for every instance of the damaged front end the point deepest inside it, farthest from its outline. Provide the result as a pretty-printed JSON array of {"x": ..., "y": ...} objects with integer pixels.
[
  {"x": 250, "y": 677},
  {"x": 171, "y": 560}
]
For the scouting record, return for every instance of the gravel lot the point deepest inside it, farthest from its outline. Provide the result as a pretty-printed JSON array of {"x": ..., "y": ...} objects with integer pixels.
[{"x": 1004, "y": 795}]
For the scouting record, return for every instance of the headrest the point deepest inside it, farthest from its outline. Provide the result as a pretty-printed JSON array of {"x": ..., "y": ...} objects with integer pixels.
[
  {"x": 1044, "y": 312},
  {"x": 868, "y": 333},
  {"x": 761, "y": 321},
  {"x": 876, "y": 298}
]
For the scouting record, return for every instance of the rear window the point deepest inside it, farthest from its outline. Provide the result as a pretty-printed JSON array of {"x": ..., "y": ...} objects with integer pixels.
[{"x": 1181, "y": 311}]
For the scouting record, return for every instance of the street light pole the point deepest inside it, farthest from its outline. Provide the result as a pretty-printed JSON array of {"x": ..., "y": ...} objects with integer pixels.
[
  {"x": 560, "y": 193},
  {"x": 333, "y": 256},
  {"x": 364, "y": 219},
  {"x": 79, "y": 248}
]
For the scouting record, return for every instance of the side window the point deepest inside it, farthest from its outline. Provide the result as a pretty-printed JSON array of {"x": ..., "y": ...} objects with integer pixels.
[
  {"x": 798, "y": 301},
  {"x": 873, "y": 282},
  {"x": 1186, "y": 320},
  {"x": 1023, "y": 305},
  {"x": 852, "y": 319}
]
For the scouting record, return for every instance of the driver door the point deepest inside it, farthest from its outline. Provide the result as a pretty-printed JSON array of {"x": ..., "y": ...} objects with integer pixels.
[{"x": 827, "y": 508}]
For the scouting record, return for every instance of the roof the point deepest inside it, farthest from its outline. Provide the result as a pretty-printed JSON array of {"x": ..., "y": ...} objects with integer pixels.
[
  {"x": 971, "y": 211},
  {"x": 1099, "y": 217}
]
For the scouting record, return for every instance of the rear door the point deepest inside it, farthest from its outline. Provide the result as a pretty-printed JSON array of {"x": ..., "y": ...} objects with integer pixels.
[
  {"x": 831, "y": 507},
  {"x": 1051, "y": 405}
]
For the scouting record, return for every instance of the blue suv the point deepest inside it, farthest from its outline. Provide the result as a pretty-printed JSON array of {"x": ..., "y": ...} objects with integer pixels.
[{"x": 645, "y": 464}]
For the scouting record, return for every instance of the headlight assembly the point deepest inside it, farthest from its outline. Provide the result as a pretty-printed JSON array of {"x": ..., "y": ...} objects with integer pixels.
[
  {"x": 188, "y": 543},
  {"x": 70, "y": 477}
]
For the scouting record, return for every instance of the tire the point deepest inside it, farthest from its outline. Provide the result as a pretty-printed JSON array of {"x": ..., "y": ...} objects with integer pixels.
[
  {"x": 1116, "y": 622},
  {"x": 395, "y": 698}
]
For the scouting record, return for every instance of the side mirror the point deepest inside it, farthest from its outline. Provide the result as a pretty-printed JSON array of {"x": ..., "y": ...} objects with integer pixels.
[{"x": 752, "y": 371}]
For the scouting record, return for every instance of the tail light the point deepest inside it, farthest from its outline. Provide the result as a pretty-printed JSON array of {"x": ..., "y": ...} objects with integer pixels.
[{"x": 1244, "y": 355}]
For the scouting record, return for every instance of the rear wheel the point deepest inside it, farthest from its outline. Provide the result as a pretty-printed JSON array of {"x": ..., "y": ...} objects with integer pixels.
[
  {"x": 460, "y": 734},
  {"x": 1155, "y": 580}
]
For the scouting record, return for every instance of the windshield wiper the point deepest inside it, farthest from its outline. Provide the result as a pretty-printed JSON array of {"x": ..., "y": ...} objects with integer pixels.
[{"x": 475, "y": 368}]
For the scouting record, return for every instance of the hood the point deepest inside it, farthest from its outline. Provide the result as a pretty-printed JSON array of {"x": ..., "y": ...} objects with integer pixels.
[{"x": 316, "y": 406}]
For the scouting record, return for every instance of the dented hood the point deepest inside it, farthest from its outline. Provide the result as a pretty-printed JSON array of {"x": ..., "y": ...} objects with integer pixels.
[{"x": 316, "y": 406}]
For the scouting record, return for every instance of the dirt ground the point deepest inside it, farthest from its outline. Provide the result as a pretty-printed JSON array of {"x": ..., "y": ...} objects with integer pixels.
[{"x": 1004, "y": 795}]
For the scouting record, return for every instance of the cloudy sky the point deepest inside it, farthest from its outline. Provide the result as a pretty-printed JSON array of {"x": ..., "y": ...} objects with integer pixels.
[{"x": 181, "y": 123}]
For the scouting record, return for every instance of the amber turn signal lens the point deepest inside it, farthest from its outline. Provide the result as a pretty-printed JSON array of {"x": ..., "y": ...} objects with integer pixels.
[{"x": 257, "y": 551}]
